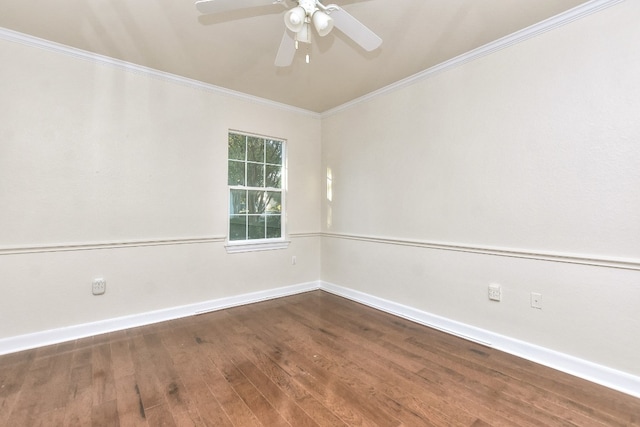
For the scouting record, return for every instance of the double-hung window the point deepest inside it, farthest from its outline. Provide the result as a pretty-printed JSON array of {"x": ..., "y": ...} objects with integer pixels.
[{"x": 256, "y": 174}]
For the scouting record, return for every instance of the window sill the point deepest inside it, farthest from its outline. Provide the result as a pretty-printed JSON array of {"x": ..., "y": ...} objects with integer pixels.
[{"x": 238, "y": 247}]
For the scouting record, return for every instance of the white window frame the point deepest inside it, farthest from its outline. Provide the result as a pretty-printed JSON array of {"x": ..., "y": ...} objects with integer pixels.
[{"x": 251, "y": 245}]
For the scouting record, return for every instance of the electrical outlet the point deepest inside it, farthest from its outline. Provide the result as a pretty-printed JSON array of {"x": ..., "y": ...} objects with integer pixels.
[
  {"x": 495, "y": 292},
  {"x": 536, "y": 300},
  {"x": 293, "y": 260},
  {"x": 98, "y": 286}
]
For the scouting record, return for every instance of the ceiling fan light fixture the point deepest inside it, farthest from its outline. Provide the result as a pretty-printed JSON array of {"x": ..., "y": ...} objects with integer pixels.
[
  {"x": 299, "y": 18},
  {"x": 294, "y": 19},
  {"x": 304, "y": 35},
  {"x": 322, "y": 22}
]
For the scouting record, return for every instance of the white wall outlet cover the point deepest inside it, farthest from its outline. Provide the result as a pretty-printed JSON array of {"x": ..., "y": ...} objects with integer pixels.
[
  {"x": 495, "y": 292},
  {"x": 98, "y": 286},
  {"x": 536, "y": 300}
]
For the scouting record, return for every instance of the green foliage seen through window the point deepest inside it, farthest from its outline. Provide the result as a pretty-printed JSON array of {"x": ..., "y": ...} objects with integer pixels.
[{"x": 255, "y": 187}]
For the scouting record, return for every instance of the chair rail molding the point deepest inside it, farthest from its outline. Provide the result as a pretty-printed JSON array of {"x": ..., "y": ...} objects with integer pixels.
[
  {"x": 86, "y": 246},
  {"x": 583, "y": 259}
]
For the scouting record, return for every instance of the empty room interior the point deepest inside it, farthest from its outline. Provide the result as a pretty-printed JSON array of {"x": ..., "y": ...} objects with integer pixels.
[{"x": 428, "y": 216}]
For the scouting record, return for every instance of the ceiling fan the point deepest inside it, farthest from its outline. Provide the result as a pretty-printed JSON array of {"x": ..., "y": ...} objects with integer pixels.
[{"x": 299, "y": 20}]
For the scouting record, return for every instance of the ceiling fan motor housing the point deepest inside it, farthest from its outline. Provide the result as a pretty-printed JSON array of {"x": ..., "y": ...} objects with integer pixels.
[{"x": 309, "y": 6}]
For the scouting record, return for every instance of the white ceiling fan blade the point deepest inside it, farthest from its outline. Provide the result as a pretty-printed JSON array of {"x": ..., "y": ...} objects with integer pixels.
[
  {"x": 215, "y": 6},
  {"x": 287, "y": 50},
  {"x": 355, "y": 29}
]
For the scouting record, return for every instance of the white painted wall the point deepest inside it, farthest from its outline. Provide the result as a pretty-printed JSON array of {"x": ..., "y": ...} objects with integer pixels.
[
  {"x": 533, "y": 149},
  {"x": 92, "y": 153}
]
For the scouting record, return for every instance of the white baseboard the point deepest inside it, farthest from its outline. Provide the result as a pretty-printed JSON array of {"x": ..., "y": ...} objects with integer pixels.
[
  {"x": 56, "y": 336},
  {"x": 598, "y": 374},
  {"x": 589, "y": 371}
]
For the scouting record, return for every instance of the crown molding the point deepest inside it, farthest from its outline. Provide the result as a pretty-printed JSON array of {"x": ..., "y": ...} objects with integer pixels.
[
  {"x": 28, "y": 40},
  {"x": 559, "y": 20},
  {"x": 520, "y": 36}
]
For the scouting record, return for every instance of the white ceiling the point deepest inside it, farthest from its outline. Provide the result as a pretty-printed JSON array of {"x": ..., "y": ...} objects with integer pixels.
[{"x": 236, "y": 50}]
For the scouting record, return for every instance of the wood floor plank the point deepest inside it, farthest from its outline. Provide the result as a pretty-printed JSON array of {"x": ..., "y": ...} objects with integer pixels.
[
  {"x": 121, "y": 360},
  {"x": 533, "y": 396},
  {"x": 342, "y": 398},
  {"x": 485, "y": 378},
  {"x": 513, "y": 395},
  {"x": 603, "y": 405},
  {"x": 160, "y": 416},
  {"x": 103, "y": 384},
  {"x": 371, "y": 354},
  {"x": 131, "y": 412},
  {"x": 221, "y": 388},
  {"x": 243, "y": 338},
  {"x": 53, "y": 418},
  {"x": 209, "y": 410},
  {"x": 13, "y": 372},
  {"x": 217, "y": 385},
  {"x": 307, "y": 360},
  {"x": 181, "y": 342},
  {"x": 148, "y": 388},
  {"x": 78, "y": 409},
  {"x": 105, "y": 414},
  {"x": 234, "y": 356},
  {"x": 180, "y": 401},
  {"x": 389, "y": 371},
  {"x": 34, "y": 387},
  {"x": 288, "y": 408},
  {"x": 58, "y": 383},
  {"x": 251, "y": 396},
  {"x": 166, "y": 375},
  {"x": 472, "y": 384},
  {"x": 46, "y": 385},
  {"x": 336, "y": 318},
  {"x": 355, "y": 363},
  {"x": 17, "y": 358}
]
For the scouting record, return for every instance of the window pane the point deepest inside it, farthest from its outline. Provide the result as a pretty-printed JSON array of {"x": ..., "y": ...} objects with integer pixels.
[
  {"x": 256, "y": 227},
  {"x": 256, "y": 201},
  {"x": 255, "y": 175},
  {"x": 274, "y": 229},
  {"x": 274, "y": 152},
  {"x": 237, "y": 146},
  {"x": 274, "y": 179},
  {"x": 238, "y": 202},
  {"x": 273, "y": 203},
  {"x": 255, "y": 164},
  {"x": 255, "y": 149},
  {"x": 236, "y": 172},
  {"x": 238, "y": 227}
]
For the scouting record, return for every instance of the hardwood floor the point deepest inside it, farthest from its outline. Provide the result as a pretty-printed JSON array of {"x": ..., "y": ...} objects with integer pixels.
[{"x": 313, "y": 359}]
